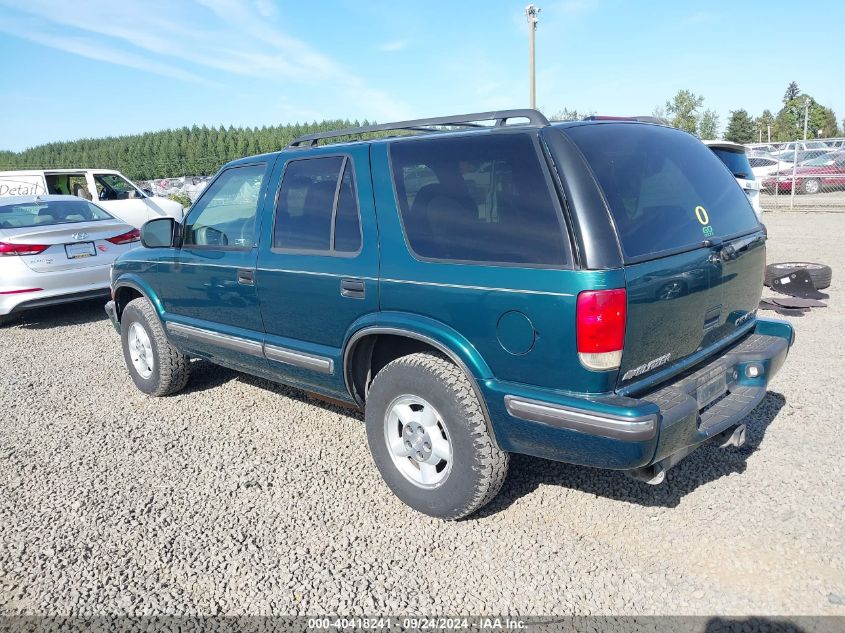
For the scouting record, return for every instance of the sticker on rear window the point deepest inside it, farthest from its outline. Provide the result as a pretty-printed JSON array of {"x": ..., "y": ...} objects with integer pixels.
[{"x": 704, "y": 220}]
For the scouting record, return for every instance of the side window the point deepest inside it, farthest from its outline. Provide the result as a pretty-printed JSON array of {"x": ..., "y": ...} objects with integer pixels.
[
  {"x": 347, "y": 230},
  {"x": 478, "y": 199},
  {"x": 114, "y": 187},
  {"x": 317, "y": 208},
  {"x": 225, "y": 214}
]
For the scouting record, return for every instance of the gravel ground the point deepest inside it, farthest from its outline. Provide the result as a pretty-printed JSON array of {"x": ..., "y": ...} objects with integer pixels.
[{"x": 243, "y": 497}]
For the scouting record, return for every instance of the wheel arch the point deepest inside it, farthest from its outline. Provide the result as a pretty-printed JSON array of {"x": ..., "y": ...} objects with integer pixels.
[
  {"x": 372, "y": 346},
  {"x": 128, "y": 288}
]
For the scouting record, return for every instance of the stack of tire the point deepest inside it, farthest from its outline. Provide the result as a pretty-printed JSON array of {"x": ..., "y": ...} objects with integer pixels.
[{"x": 819, "y": 273}]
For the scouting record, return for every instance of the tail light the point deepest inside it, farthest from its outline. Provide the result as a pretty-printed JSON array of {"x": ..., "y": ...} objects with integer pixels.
[
  {"x": 22, "y": 249},
  {"x": 126, "y": 238},
  {"x": 600, "y": 328}
]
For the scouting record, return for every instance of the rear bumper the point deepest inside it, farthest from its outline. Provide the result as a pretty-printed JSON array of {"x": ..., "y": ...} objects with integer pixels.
[
  {"x": 661, "y": 426},
  {"x": 22, "y": 288}
]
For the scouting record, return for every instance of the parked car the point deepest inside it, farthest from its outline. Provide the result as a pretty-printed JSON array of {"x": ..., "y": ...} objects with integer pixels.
[
  {"x": 109, "y": 188},
  {"x": 803, "y": 156},
  {"x": 762, "y": 166},
  {"x": 56, "y": 249},
  {"x": 803, "y": 145},
  {"x": 825, "y": 172},
  {"x": 521, "y": 314},
  {"x": 734, "y": 156},
  {"x": 761, "y": 148}
]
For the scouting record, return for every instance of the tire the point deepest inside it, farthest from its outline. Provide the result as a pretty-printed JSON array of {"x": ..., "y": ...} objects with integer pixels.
[
  {"x": 164, "y": 370},
  {"x": 427, "y": 387},
  {"x": 811, "y": 186},
  {"x": 819, "y": 273}
]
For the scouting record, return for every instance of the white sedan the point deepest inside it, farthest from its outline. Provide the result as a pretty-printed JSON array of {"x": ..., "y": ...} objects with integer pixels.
[
  {"x": 56, "y": 249},
  {"x": 763, "y": 166}
]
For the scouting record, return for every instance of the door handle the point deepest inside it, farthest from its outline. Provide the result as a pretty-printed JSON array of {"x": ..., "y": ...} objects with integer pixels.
[
  {"x": 246, "y": 276},
  {"x": 352, "y": 288}
]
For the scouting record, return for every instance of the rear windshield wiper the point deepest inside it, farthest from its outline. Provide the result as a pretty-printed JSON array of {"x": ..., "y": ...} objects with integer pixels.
[{"x": 740, "y": 174}]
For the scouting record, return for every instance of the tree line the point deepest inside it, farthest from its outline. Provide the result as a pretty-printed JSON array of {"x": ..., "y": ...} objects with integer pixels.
[
  {"x": 684, "y": 111},
  {"x": 201, "y": 150},
  {"x": 194, "y": 151}
]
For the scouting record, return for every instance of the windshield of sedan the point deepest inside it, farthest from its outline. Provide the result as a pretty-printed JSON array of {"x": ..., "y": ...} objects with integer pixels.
[{"x": 45, "y": 213}]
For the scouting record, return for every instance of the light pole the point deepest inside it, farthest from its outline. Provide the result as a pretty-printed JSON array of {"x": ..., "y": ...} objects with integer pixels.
[
  {"x": 806, "y": 111},
  {"x": 532, "y": 15}
]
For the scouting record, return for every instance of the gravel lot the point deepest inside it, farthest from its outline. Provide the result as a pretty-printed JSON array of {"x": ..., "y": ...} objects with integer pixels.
[{"x": 243, "y": 497}]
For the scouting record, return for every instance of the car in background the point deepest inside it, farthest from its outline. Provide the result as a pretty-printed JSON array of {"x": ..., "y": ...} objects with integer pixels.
[
  {"x": 803, "y": 145},
  {"x": 802, "y": 156},
  {"x": 735, "y": 158},
  {"x": 762, "y": 166},
  {"x": 109, "y": 188},
  {"x": 761, "y": 148},
  {"x": 824, "y": 172},
  {"x": 56, "y": 249}
]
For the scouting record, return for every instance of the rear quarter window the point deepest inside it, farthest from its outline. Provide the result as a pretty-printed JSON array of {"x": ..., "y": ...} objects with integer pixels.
[
  {"x": 666, "y": 190},
  {"x": 478, "y": 198}
]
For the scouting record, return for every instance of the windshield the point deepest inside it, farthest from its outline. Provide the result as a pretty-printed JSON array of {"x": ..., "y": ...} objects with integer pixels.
[
  {"x": 819, "y": 161},
  {"x": 44, "y": 213},
  {"x": 665, "y": 189}
]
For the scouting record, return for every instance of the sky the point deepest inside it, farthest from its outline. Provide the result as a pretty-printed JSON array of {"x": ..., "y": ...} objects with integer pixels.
[{"x": 107, "y": 67}]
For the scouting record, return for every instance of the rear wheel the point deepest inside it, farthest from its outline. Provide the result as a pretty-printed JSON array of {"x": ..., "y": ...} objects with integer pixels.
[
  {"x": 157, "y": 367},
  {"x": 429, "y": 439}
]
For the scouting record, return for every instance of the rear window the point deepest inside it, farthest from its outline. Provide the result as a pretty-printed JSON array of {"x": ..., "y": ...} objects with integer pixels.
[
  {"x": 736, "y": 161},
  {"x": 479, "y": 198},
  {"x": 43, "y": 213},
  {"x": 665, "y": 189}
]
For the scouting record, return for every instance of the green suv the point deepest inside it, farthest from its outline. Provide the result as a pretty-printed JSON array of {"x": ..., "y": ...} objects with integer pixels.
[{"x": 479, "y": 285}]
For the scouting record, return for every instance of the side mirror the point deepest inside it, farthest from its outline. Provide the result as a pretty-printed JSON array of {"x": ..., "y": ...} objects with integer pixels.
[{"x": 161, "y": 233}]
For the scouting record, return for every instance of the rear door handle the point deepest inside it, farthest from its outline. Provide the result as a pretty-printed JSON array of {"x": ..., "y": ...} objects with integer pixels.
[
  {"x": 352, "y": 288},
  {"x": 246, "y": 276}
]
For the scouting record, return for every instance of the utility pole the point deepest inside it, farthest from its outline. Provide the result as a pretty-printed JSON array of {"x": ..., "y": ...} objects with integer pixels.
[
  {"x": 806, "y": 111},
  {"x": 532, "y": 15}
]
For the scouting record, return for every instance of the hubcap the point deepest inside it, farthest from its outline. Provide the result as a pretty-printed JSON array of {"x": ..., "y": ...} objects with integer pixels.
[
  {"x": 418, "y": 442},
  {"x": 140, "y": 350}
]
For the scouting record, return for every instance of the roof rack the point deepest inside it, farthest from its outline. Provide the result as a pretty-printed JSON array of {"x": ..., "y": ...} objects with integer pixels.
[
  {"x": 640, "y": 118},
  {"x": 423, "y": 125}
]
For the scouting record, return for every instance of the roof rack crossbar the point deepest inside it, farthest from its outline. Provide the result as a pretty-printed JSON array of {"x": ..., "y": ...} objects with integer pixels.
[{"x": 500, "y": 117}]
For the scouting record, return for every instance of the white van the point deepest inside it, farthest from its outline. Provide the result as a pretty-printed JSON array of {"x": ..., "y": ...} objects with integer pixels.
[{"x": 113, "y": 191}]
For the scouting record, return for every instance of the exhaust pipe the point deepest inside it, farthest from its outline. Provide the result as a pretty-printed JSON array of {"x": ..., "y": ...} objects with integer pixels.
[
  {"x": 653, "y": 475},
  {"x": 656, "y": 473},
  {"x": 736, "y": 438}
]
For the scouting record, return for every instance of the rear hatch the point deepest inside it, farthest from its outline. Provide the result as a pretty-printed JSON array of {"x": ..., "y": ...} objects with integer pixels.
[{"x": 693, "y": 249}]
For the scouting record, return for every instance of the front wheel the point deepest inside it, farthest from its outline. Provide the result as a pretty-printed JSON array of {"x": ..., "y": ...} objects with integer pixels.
[
  {"x": 811, "y": 186},
  {"x": 157, "y": 367},
  {"x": 428, "y": 437}
]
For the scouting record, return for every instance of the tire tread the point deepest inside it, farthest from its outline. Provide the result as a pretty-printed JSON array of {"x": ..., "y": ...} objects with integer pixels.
[
  {"x": 491, "y": 462},
  {"x": 173, "y": 366}
]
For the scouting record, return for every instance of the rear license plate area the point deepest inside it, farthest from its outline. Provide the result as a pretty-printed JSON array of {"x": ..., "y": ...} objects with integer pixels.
[
  {"x": 80, "y": 250},
  {"x": 711, "y": 390}
]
